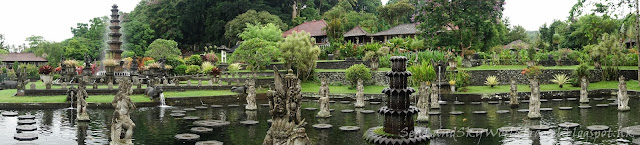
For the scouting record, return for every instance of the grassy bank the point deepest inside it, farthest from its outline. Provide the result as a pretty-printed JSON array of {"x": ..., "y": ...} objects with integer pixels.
[
  {"x": 520, "y": 67},
  {"x": 631, "y": 85}
]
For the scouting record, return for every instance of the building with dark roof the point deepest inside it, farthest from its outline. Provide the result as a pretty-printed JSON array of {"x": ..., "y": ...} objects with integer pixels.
[
  {"x": 22, "y": 58},
  {"x": 315, "y": 28},
  {"x": 402, "y": 30},
  {"x": 357, "y": 35}
]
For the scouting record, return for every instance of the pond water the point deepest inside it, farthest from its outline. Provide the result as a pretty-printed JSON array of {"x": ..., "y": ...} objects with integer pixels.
[{"x": 154, "y": 126}]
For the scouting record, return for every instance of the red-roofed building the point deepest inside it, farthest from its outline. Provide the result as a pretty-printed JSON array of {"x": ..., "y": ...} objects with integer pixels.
[
  {"x": 22, "y": 58},
  {"x": 315, "y": 28}
]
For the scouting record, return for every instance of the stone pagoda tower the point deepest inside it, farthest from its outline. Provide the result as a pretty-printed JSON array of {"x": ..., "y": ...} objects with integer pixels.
[
  {"x": 114, "y": 42},
  {"x": 398, "y": 113}
]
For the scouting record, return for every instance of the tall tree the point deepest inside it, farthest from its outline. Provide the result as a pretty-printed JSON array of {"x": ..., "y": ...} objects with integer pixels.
[
  {"x": 396, "y": 13},
  {"x": 138, "y": 37},
  {"x": 237, "y": 25}
]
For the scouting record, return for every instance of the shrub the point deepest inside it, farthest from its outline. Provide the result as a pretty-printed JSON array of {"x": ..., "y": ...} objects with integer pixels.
[
  {"x": 180, "y": 69},
  {"x": 193, "y": 69},
  {"x": 161, "y": 48},
  {"x": 385, "y": 61},
  {"x": 358, "y": 72},
  {"x": 211, "y": 57},
  {"x": 68, "y": 62},
  {"x": 532, "y": 71},
  {"x": 146, "y": 63},
  {"x": 215, "y": 72},
  {"x": 560, "y": 79},
  {"x": 45, "y": 69},
  {"x": 128, "y": 54},
  {"x": 423, "y": 72},
  {"x": 154, "y": 65},
  {"x": 462, "y": 79},
  {"x": 491, "y": 81},
  {"x": 234, "y": 67},
  {"x": 194, "y": 60},
  {"x": 110, "y": 62},
  {"x": 174, "y": 61},
  {"x": 206, "y": 67}
]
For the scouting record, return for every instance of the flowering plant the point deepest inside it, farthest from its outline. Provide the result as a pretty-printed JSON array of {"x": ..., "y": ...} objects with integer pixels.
[
  {"x": 45, "y": 69},
  {"x": 532, "y": 71}
]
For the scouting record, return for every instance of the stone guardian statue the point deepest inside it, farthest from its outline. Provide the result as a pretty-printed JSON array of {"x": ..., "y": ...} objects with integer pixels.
[
  {"x": 121, "y": 121},
  {"x": 623, "y": 98},
  {"x": 324, "y": 100},
  {"x": 284, "y": 103},
  {"x": 359, "y": 95}
]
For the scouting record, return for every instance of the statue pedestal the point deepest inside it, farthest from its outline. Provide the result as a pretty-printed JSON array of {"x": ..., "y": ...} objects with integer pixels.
[
  {"x": 83, "y": 117},
  {"x": 120, "y": 143}
]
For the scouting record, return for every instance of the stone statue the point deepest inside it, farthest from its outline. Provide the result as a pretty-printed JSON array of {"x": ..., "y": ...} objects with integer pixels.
[
  {"x": 284, "y": 103},
  {"x": 359, "y": 95},
  {"x": 584, "y": 93},
  {"x": 324, "y": 100},
  {"x": 81, "y": 103},
  {"x": 534, "y": 100},
  {"x": 121, "y": 122},
  {"x": 623, "y": 99},
  {"x": 20, "y": 74},
  {"x": 434, "y": 97},
  {"x": 251, "y": 95},
  {"x": 513, "y": 95},
  {"x": 423, "y": 102}
]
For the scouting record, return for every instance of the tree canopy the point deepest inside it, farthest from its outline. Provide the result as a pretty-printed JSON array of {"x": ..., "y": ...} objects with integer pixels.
[{"x": 161, "y": 48}]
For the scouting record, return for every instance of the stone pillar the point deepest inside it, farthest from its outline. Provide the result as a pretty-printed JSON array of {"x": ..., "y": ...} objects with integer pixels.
[
  {"x": 513, "y": 95},
  {"x": 584, "y": 93},
  {"x": 95, "y": 85},
  {"x": 534, "y": 100},
  {"x": 623, "y": 99},
  {"x": 251, "y": 95},
  {"x": 434, "y": 97},
  {"x": 324, "y": 100},
  {"x": 423, "y": 102},
  {"x": 360, "y": 95},
  {"x": 48, "y": 86}
]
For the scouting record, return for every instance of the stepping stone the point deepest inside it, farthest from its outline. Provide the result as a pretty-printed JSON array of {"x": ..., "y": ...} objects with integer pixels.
[
  {"x": 508, "y": 129},
  {"x": 544, "y": 100},
  {"x": 597, "y": 128},
  {"x": 598, "y": 99},
  {"x": 26, "y": 122},
  {"x": 494, "y": 102},
  {"x": 546, "y": 109},
  {"x": 322, "y": 126},
  {"x": 443, "y": 103},
  {"x": 332, "y": 101},
  {"x": 476, "y": 103},
  {"x": 264, "y": 105},
  {"x": 444, "y": 132},
  {"x": 331, "y": 110},
  {"x": 565, "y": 108},
  {"x": 602, "y": 105},
  {"x": 539, "y": 127},
  {"x": 456, "y": 112},
  {"x": 269, "y": 121},
  {"x": 613, "y": 104},
  {"x": 25, "y": 136},
  {"x": 374, "y": 103},
  {"x": 21, "y": 128},
  {"x": 572, "y": 99},
  {"x": 568, "y": 125},
  {"x": 201, "y": 130},
  {"x": 249, "y": 122},
  {"x": 189, "y": 109},
  {"x": 611, "y": 99},
  {"x": 316, "y": 101},
  {"x": 434, "y": 113},
  {"x": 349, "y": 128},
  {"x": 310, "y": 109},
  {"x": 187, "y": 137},
  {"x": 345, "y": 102},
  {"x": 507, "y": 102},
  {"x": 216, "y": 106},
  {"x": 556, "y": 100},
  {"x": 201, "y": 107},
  {"x": 458, "y": 103},
  {"x": 502, "y": 111},
  {"x": 210, "y": 142},
  {"x": 524, "y": 101},
  {"x": 367, "y": 111},
  {"x": 346, "y": 111},
  {"x": 476, "y": 132},
  {"x": 211, "y": 123},
  {"x": 305, "y": 100},
  {"x": 24, "y": 117},
  {"x": 177, "y": 115},
  {"x": 584, "y": 107},
  {"x": 523, "y": 110},
  {"x": 479, "y": 112},
  {"x": 9, "y": 114},
  {"x": 233, "y": 105},
  {"x": 191, "y": 118},
  {"x": 178, "y": 111},
  {"x": 631, "y": 130}
]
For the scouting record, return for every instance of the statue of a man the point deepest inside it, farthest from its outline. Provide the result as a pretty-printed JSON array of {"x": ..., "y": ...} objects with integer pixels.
[
  {"x": 81, "y": 97},
  {"x": 121, "y": 120}
]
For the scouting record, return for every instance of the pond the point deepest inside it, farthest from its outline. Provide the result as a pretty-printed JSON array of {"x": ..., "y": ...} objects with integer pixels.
[{"x": 154, "y": 125}]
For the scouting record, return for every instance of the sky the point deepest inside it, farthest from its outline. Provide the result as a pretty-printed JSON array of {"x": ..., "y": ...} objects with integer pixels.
[{"x": 53, "y": 19}]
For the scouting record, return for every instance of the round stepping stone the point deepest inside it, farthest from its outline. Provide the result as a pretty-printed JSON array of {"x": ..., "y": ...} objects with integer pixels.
[
  {"x": 602, "y": 105},
  {"x": 565, "y": 108},
  {"x": 211, "y": 123},
  {"x": 349, "y": 128},
  {"x": 597, "y": 128},
  {"x": 269, "y": 121},
  {"x": 332, "y": 101},
  {"x": 25, "y": 136},
  {"x": 374, "y": 103},
  {"x": 322, "y": 126},
  {"x": 189, "y": 109},
  {"x": 456, "y": 112},
  {"x": 539, "y": 127},
  {"x": 24, "y": 117},
  {"x": 476, "y": 131},
  {"x": 310, "y": 108},
  {"x": 191, "y": 118},
  {"x": 434, "y": 113},
  {"x": 493, "y": 102},
  {"x": 556, "y": 100},
  {"x": 568, "y": 125},
  {"x": 26, "y": 122},
  {"x": 345, "y": 102},
  {"x": 316, "y": 101},
  {"x": 201, "y": 130},
  {"x": 9, "y": 114},
  {"x": 442, "y": 103},
  {"x": 201, "y": 107},
  {"x": 502, "y": 111},
  {"x": 177, "y": 115},
  {"x": 613, "y": 104},
  {"x": 544, "y": 100},
  {"x": 584, "y": 106},
  {"x": 178, "y": 111},
  {"x": 216, "y": 106},
  {"x": 346, "y": 111},
  {"x": 508, "y": 129},
  {"x": 249, "y": 122},
  {"x": 524, "y": 101},
  {"x": 187, "y": 137},
  {"x": 444, "y": 132},
  {"x": 305, "y": 100},
  {"x": 598, "y": 99},
  {"x": 631, "y": 130},
  {"x": 546, "y": 109},
  {"x": 458, "y": 103},
  {"x": 367, "y": 111},
  {"x": 21, "y": 128},
  {"x": 233, "y": 105},
  {"x": 479, "y": 112},
  {"x": 523, "y": 110},
  {"x": 264, "y": 105},
  {"x": 611, "y": 99},
  {"x": 210, "y": 142},
  {"x": 476, "y": 103},
  {"x": 331, "y": 110},
  {"x": 572, "y": 99}
]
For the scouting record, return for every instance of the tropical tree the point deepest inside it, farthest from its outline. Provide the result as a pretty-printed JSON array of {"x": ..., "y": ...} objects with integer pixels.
[
  {"x": 237, "y": 25},
  {"x": 300, "y": 54},
  {"x": 161, "y": 48}
]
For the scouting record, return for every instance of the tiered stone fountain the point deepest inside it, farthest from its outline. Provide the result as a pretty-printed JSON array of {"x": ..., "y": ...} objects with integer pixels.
[
  {"x": 398, "y": 126},
  {"x": 114, "y": 42}
]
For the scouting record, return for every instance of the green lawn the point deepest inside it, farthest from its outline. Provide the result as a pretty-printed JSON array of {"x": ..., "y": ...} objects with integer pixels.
[
  {"x": 343, "y": 70},
  {"x": 314, "y": 87},
  {"x": 198, "y": 93},
  {"x": 40, "y": 85},
  {"x": 631, "y": 85},
  {"x": 6, "y": 96},
  {"x": 520, "y": 67}
]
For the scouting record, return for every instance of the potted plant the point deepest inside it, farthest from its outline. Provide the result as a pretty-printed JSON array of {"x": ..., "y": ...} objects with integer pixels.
[
  {"x": 70, "y": 66},
  {"x": 110, "y": 65},
  {"x": 233, "y": 69},
  {"x": 560, "y": 79},
  {"x": 452, "y": 84},
  {"x": 491, "y": 81},
  {"x": 215, "y": 72},
  {"x": 45, "y": 75}
]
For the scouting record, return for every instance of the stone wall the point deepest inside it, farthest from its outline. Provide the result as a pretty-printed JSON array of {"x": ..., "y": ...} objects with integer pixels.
[
  {"x": 319, "y": 65},
  {"x": 339, "y": 78},
  {"x": 478, "y": 77}
]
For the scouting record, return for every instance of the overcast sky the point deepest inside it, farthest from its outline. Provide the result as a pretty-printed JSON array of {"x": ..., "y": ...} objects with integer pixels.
[{"x": 53, "y": 19}]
